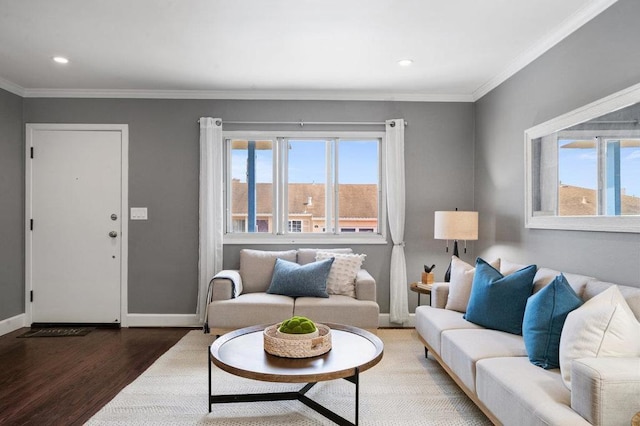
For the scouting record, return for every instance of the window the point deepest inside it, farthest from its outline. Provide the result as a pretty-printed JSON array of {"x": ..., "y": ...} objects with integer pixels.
[
  {"x": 597, "y": 176},
  {"x": 295, "y": 226},
  {"x": 316, "y": 186}
]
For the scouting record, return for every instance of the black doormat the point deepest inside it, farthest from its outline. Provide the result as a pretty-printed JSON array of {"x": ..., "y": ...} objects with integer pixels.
[{"x": 58, "y": 332}]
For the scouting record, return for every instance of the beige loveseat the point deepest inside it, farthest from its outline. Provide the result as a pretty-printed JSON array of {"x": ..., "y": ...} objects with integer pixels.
[
  {"x": 492, "y": 367},
  {"x": 239, "y": 298}
]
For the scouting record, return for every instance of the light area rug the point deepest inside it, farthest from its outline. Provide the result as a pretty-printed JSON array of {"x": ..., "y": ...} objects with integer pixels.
[{"x": 405, "y": 388}]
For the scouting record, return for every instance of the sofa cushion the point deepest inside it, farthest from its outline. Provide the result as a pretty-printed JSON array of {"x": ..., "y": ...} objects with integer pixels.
[
  {"x": 545, "y": 275},
  {"x": 308, "y": 255},
  {"x": 339, "y": 309},
  {"x": 432, "y": 322},
  {"x": 291, "y": 279},
  {"x": 544, "y": 317},
  {"x": 498, "y": 301},
  {"x": 630, "y": 294},
  {"x": 603, "y": 327},
  {"x": 256, "y": 267},
  {"x": 343, "y": 272},
  {"x": 519, "y": 393},
  {"x": 241, "y": 311},
  {"x": 461, "y": 350},
  {"x": 508, "y": 267},
  {"x": 460, "y": 283}
]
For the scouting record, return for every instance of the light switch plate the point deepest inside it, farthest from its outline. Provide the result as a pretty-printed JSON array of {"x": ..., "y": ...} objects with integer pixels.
[{"x": 138, "y": 213}]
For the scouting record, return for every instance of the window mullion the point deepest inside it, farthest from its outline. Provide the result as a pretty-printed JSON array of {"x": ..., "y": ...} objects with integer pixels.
[
  {"x": 602, "y": 175},
  {"x": 329, "y": 196},
  {"x": 281, "y": 215}
]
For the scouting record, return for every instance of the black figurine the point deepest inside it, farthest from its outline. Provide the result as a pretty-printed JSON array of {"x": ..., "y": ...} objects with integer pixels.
[{"x": 428, "y": 269}]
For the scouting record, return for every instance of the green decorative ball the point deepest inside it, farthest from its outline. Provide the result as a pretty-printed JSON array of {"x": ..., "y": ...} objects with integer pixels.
[{"x": 297, "y": 325}]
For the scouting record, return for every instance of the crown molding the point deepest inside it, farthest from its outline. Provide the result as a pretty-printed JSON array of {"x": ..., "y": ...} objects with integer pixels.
[
  {"x": 247, "y": 95},
  {"x": 570, "y": 25},
  {"x": 567, "y": 27},
  {"x": 11, "y": 87}
]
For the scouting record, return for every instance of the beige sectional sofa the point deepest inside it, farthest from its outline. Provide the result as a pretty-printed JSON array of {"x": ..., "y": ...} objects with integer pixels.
[
  {"x": 239, "y": 298},
  {"x": 492, "y": 367}
]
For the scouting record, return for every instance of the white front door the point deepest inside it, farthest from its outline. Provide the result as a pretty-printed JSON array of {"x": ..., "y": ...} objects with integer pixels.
[{"x": 75, "y": 223}]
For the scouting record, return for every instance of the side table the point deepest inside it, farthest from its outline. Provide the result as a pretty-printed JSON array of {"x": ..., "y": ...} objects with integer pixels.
[{"x": 421, "y": 288}]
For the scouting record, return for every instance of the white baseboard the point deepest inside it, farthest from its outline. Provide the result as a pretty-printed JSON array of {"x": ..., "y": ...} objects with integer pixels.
[
  {"x": 12, "y": 324},
  {"x": 171, "y": 320},
  {"x": 163, "y": 320},
  {"x": 383, "y": 321}
]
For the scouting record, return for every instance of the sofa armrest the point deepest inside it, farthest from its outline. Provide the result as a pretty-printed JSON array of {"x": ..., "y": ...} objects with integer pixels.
[
  {"x": 225, "y": 285},
  {"x": 606, "y": 391},
  {"x": 439, "y": 295},
  {"x": 365, "y": 286}
]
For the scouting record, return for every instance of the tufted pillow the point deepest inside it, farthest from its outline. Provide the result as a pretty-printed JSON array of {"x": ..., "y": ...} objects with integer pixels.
[
  {"x": 544, "y": 317},
  {"x": 256, "y": 267},
  {"x": 603, "y": 327},
  {"x": 460, "y": 283},
  {"x": 291, "y": 279},
  {"x": 343, "y": 272},
  {"x": 498, "y": 301}
]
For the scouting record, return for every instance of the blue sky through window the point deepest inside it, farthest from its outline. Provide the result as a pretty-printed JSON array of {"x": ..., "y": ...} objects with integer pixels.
[
  {"x": 578, "y": 167},
  {"x": 358, "y": 162}
]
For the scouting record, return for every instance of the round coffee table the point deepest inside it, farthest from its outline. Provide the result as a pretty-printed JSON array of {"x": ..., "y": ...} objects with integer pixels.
[{"x": 241, "y": 353}]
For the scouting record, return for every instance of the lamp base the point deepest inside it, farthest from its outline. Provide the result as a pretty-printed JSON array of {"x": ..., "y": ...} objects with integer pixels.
[{"x": 447, "y": 275}]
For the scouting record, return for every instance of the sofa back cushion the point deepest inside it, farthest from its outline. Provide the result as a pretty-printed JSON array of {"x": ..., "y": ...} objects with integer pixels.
[
  {"x": 630, "y": 294},
  {"x": 308, "y": 255},
  {"x": 545, "y": 275},
  {"x": 256, "y": 267}
]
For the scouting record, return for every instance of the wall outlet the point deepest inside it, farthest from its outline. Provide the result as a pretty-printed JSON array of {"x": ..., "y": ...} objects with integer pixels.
[{"x": 138, "y": 213}]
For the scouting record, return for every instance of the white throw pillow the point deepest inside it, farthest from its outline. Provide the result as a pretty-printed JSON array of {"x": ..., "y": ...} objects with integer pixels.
[
  {"x": 603, "y": 327},
  {"x": 460, "y": 283},
  {"x": 343, "y": 272}
]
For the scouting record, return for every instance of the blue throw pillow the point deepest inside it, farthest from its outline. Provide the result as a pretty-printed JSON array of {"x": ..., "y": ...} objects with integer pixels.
[
  {"x": 543, "y": 320},
  {"x": 291, "y": 279},
  {"x": 498, "y": 301}
]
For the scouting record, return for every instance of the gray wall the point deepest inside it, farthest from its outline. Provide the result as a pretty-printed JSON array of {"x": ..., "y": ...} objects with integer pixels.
[
  {"x": 11, "y": 206},
  {"x": 597, "y": 60},
  {"x": 163, "y": 176}
]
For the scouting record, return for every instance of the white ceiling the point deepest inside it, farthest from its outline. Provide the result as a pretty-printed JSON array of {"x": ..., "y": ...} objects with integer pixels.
[{"x": 300, "y": 49}]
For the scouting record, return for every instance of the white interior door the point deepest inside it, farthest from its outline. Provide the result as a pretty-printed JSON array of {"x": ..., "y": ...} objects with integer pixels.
[{"x": 74, "y": 244}]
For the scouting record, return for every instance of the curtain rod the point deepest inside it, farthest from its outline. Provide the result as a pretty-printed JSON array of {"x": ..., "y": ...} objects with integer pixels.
[{"x": 301, "y": 123}]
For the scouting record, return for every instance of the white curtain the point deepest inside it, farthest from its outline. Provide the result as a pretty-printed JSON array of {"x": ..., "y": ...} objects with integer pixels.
[
  {"x": 211, "y": 207},
  {"x": 394, "y": 176}
]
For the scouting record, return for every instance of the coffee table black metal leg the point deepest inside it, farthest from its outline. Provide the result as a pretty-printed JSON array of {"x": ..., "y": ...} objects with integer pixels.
[
  {"x": 288, "y": 396},
  {"x": 357, "y": 383}
]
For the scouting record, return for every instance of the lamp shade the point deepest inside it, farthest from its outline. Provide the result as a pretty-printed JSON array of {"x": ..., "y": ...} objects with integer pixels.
[{"x": 456, "y": 225}]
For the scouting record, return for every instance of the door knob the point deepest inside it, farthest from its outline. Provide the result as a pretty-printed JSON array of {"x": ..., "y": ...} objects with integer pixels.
[{"x": 113, "y": 234}]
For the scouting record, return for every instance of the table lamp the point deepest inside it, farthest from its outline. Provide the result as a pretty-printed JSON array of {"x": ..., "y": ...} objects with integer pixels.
[{"x": 455, "y": 225}]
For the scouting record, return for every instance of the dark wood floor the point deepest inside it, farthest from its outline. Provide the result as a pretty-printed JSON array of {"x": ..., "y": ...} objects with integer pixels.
[{"x": 65, "y": 380}]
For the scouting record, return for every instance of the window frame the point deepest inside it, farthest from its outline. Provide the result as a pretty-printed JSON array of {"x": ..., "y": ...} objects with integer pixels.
[
  {"x": 280, "y": 234},
  {"x": 539, "y": 220}
]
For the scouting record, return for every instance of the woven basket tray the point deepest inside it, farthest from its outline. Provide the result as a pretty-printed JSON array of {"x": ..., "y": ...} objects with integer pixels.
[{"x": 297, "y": 348}]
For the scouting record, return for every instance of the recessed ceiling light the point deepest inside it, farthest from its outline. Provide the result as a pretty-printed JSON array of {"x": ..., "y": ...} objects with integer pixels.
[
  {"x": 60, "y": 59},
  {"x": 405, "y": 62}
]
